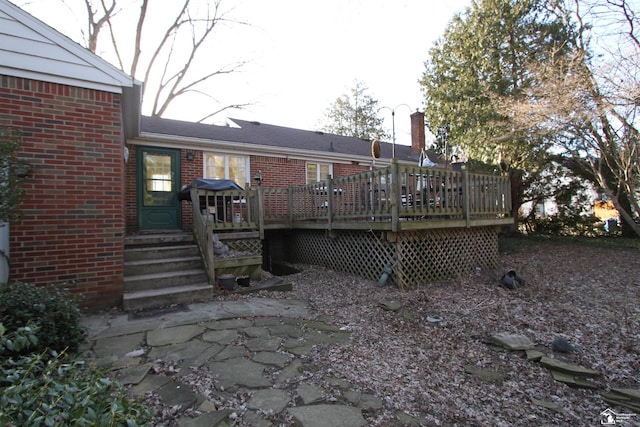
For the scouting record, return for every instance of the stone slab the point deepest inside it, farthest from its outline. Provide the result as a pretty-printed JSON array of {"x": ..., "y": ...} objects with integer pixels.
[
  {"x": 239, "y": 371},
  {"x": 134, "y": 375},
  {"x": 269, "y": 400},
  {"x": 271, "y": 358},
  {"x": 328, "y": 415},
  {"x": 207, "y": 419},
  {"x": 264, "y": 343},
  {"x": 150, "y": 383},
  {"x": 310, "y": 394},
  {"x": 118, "y": 346},
  {"x": 229, "y": 324},
  {"x": 175, "y": 393},
  {"x": 173, "y": 335},
  {"x": 222, "y": 336},
  {"x": 572, "y": 380},
  {"x": 485, "y": 374},
  {"x": 569, "y": 368},
  {"x": 512, "y": 341}
]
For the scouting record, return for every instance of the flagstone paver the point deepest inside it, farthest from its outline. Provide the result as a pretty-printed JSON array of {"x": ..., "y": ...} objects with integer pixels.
[{"x": 255, "y": 347}]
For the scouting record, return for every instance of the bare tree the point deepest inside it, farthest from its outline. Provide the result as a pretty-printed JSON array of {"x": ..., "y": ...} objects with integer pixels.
[
  {"x": 168, "y": 69},
  {"x": 588, "y": 104}
]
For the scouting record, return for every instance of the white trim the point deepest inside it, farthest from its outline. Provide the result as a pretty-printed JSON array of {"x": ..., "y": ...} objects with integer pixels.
[
  {"x": 111, "y": 75},
  {"x": 59, "y": 80},
  {"x": 180, "y": 142}
]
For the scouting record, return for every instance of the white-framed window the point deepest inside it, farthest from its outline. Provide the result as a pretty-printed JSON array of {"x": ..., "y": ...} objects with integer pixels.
[
  {"x": 317, "y": 172},
  {"x": 227, "y": 166}
]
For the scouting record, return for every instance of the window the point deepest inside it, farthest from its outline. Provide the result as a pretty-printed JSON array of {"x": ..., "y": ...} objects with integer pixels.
[
  {"x": 317, "y": 172},
  {"x": 222, "y": 166}
]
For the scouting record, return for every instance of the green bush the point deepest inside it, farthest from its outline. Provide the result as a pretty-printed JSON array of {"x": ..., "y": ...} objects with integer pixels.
[
  {"x": 57, "y": 389},
  {"x": 51, "y": 309}
]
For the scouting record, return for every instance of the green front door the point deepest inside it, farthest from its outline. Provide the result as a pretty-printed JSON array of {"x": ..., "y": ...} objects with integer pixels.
[{"x": 158, "y": 175}]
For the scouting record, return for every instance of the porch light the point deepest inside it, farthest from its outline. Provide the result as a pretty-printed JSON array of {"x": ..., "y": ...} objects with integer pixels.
[{"x": 190, "y": 155}]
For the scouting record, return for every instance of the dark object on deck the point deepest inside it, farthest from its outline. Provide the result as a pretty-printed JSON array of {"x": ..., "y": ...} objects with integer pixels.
[
  {"x": 512, "y": 280},
  {"x": 207, "y": 184},
  {"x": 561, "y": 345}
]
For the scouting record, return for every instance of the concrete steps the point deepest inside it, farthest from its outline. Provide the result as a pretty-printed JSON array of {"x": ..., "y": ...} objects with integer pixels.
[{"x": 162, "y": 269}]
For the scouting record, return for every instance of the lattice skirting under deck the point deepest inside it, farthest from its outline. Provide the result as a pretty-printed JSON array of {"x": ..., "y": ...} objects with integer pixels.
[{"x": 417, "y": 257}]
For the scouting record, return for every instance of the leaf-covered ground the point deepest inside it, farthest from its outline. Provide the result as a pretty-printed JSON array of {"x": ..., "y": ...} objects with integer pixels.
[{"x": 416, "y": 364}]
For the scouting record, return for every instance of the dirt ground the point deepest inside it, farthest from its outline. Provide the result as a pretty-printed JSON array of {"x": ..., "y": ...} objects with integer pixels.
[{"x": 416, "y": 359}]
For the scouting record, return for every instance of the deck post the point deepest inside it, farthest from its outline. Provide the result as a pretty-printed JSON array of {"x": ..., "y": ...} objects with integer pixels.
[
  {"x": 290, "y": 205},
  {"x": 261, "y": 212},
  {"x": 466, "y": 196},
  {"x": 396, "y": 198},
  {"x": 329, "y": 202}
]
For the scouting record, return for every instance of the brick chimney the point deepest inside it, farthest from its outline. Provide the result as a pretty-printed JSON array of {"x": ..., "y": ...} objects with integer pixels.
[{"x": 417, "y": 132}]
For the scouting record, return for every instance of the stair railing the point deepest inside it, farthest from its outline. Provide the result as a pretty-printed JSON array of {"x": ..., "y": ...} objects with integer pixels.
[{"x": 203, "y": 236}]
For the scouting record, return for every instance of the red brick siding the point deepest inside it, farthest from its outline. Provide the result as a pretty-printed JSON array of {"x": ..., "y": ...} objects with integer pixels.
[
  {"x": 130, "y": 191},
  {"x": 348, "y": 169},
  {"x": 190, "y": 170},
  {"x": 72, "y": 226}
]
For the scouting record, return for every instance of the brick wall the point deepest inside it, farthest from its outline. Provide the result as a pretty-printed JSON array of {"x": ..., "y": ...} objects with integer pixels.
[{"x": 72, "y": 226}]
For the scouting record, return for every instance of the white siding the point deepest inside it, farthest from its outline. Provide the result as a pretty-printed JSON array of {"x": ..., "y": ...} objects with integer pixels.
[{"x": 31, "y": 49}]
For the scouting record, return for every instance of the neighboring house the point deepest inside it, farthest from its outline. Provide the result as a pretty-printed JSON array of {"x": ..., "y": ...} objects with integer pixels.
[
  {"x": 240, "y": 151},
  {"x": 74, "y": 111}
]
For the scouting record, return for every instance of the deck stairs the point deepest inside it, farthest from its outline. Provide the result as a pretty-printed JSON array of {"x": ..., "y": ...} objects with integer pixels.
[{"x": 163, "y": 269}]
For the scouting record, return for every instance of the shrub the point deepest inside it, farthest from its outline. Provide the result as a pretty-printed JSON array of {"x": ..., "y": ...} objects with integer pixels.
[
  {"x": 58, "y": 389},
  {"x": 51, "y": 309}
]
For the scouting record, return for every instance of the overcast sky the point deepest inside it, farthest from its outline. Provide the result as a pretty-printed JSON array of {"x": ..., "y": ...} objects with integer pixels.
[{"x": 304, "y": 54}]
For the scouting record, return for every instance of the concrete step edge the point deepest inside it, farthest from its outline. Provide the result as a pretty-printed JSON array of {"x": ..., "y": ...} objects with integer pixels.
[
  {"x": 166, "y": 291},
  {"x": 168, "y": 274}
]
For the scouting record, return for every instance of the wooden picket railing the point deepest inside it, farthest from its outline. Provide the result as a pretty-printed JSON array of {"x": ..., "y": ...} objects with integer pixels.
[{"x": 394, "y": 198}]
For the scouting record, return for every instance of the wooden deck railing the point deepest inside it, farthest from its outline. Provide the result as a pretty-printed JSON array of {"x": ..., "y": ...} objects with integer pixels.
[
  {"x": 383, "y": 198},
  {"x": 391, "y": 195}
]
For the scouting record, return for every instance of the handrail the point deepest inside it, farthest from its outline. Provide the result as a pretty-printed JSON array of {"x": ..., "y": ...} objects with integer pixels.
[
  {"x": 203, "y": 236},
  {"x": 395, "y": 193}
]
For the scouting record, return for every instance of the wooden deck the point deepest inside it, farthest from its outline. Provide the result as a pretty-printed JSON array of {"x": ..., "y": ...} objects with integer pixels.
[{"x": 426, "y": 222}]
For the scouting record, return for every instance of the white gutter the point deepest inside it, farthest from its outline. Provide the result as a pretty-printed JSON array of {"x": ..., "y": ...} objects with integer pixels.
[{"x": 226, "y": 147}]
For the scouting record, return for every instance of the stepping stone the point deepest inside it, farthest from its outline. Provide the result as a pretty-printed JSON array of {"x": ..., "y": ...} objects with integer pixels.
[
  {"x": 286, "y": 331},
  {"x": 310, "y": 394},
  {"x": 254, "y": 420},
  {"x": 512, "y": 341},
  {"x": 322, "y": 326},
  {"x": 231, "y": 351},
  {"x": 134, "y": 375},
  {"x": 269, "y": 400},
  {"x": 328, "y": 415},
  {"x": 239, "y": 371},
  {"x": 177, "y": 393},
  {"x": 118, "y": 346},
  {"x": 150, "y": 383},
  {"x": 572, "y": 380},
  {"x": 369, "y": 401},
  {"x": 175, "y": 335},
  {"x": 533, "y": 354},
  {"x": 484, "y": 373},
  {"x": 206, "y": 419},
  {"x": 223, "y": 336},
  {"x": 569, "y": 368},
  {"x": 632, "y": 393},
  {"x": 272, "y": 358},
  {"x": 292, "y": 370},
  {"x": 390, "y": 305},
  {"x": 229, "y": 324},
  {"x": 264, "y": 344},
  {"x": 183, "y": 351},
  {"x": 256, "y": 331}
]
